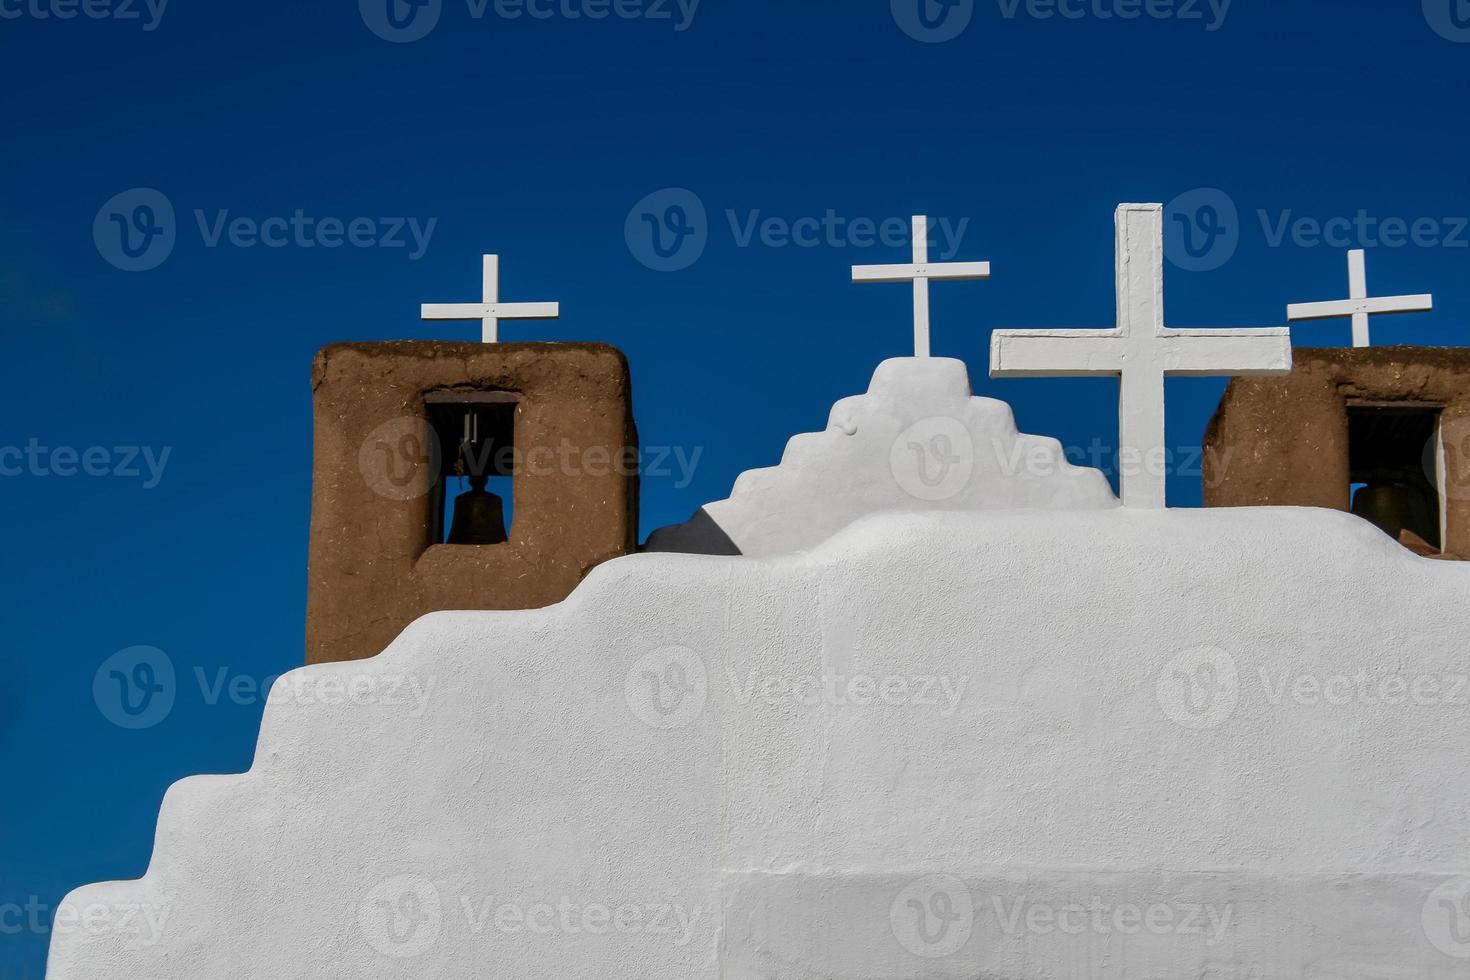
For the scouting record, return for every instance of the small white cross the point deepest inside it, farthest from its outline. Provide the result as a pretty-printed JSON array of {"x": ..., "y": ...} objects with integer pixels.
[
  {"x": 921, "y": 271},
  {"x": 490, "y": 311},
  {"x": 1141, "y": 352},
  {"x": 1359, "y": 305}
]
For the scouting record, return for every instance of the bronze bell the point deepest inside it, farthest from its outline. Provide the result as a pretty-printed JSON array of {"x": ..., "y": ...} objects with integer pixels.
[
  {"x": 479, "y": 516},
  {"x": 1395, "y": 507}
]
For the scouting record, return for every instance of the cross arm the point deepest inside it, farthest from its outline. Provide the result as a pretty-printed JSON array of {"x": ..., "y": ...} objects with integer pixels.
[
  {"x": 480, "y": 311},
  {"x": 1205, "y": 353},
  {"x": 904, "y": 273},
  {"x": 1055, "y": 353},
  {"x": 1351, "y": 307}
]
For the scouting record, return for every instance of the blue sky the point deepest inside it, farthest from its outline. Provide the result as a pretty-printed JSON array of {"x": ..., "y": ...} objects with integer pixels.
[{"x": 178, "y": 395}]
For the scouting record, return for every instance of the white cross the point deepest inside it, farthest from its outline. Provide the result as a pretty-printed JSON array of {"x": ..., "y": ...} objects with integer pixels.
[
  {"x": 921, "y": 271},
  {"x": 1140, "y": 351},
  {"x": 490, "y": 311},
  {"x": 1359, "y": 305}
]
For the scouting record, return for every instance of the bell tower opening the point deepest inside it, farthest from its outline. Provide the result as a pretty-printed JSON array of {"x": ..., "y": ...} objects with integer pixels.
[
  {"x": 1393, "y": 461},
  {"x": 474, "y": 497}
]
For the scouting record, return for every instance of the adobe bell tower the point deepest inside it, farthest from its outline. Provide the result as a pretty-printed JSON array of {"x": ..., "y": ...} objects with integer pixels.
[{"x": 462, "y": 476}]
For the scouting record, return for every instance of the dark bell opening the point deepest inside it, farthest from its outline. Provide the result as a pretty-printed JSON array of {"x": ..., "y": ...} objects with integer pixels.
[
  {"x": 476, "y": 431},
  {"x": 479, "y": 516},
  {"x": 1387, "y": 449}
]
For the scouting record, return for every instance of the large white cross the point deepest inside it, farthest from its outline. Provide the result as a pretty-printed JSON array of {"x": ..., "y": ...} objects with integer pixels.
[
  {"x": 1140, "y": 351},
  {"x": 921, "y": 271},
  {"x": 1359, "y": 305},
  {"x": 490, "y": 311}
]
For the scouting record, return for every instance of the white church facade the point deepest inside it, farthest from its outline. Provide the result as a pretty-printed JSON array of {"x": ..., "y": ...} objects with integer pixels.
[{"x": 925, "y": 700}]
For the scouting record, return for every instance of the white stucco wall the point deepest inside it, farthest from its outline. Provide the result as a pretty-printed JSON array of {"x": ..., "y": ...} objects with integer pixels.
[
  {"x": 656, "y": 781},
  {"x": 918, "y": 440}
]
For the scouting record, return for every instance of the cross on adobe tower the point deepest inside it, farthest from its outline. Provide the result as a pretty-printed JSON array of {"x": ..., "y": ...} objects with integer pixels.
[
  {"x": 1359, "y": 305},
  {"x": 490, "y": 311},
  {"x": 1141, "y": 352}
]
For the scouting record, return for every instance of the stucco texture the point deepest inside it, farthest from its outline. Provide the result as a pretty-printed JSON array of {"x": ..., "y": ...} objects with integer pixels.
[
  {"x": 1010, "y": 744},
  {"x": 918, "y": 440}
]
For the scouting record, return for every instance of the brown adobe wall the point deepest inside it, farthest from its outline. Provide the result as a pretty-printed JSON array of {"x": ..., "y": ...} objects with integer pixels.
[
  {"x": 1284, "y": 441},
  {"x": 373, "y": 567}
]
